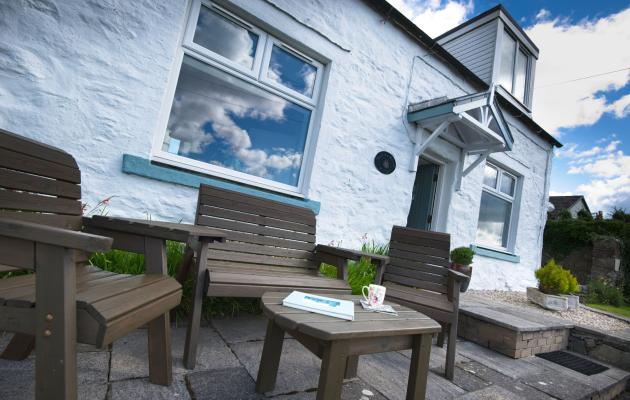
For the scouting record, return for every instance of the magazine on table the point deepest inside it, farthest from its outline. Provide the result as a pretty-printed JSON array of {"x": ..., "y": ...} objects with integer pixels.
[{"x": 343, "y": 309}]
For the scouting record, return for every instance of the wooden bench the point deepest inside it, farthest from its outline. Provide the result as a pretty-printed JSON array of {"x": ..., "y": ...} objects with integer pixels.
[
  {"x": 419, "y": 276},
  {"x": 67, "y": 300},
  {"x": 270, "y": 246}
]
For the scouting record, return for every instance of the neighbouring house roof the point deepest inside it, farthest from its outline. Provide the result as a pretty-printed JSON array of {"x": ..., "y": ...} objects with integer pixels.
[
  {"x": 561, "y": 203},
  {"x": 405, "y": 24}
]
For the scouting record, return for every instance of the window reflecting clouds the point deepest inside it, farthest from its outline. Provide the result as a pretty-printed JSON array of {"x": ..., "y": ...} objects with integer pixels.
[
  {"x": 291, "y": 71},
  {"x": 226, "y": 38},
  {"x": 219, "y": 119}
]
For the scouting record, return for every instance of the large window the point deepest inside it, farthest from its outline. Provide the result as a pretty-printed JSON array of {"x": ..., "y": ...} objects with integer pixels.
[
  {"x": 513, "y": 68},
  {"x": 497, "y": 204},
  {"x": 244, "y": 103}
]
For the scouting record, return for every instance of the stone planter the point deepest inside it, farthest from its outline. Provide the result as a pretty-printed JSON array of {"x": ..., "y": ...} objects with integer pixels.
[
  {"x": 573, "y": 301},
  {"x": 548, "y": 301}
]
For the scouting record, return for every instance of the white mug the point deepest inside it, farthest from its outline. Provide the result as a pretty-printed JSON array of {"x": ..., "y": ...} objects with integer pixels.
[{"x": 375, "y": 294}]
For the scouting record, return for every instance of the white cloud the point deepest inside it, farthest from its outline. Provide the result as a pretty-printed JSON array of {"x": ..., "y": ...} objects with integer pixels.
[
  {"x": 543, "y": 14},
  {"x": 588, "y": 47},
  {"x": 608, "y": 170},
  {"x": 434, "y": 16}
]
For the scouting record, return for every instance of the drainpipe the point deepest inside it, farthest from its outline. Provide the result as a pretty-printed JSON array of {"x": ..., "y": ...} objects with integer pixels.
[{"x": 545, "y": 200}]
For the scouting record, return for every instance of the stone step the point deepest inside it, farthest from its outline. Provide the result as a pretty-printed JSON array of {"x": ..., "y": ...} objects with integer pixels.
[{"x": 511, "y": 330}]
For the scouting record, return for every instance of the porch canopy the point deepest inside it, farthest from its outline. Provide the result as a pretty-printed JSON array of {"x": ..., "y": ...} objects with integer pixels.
[{"x": 474, "y": 123}]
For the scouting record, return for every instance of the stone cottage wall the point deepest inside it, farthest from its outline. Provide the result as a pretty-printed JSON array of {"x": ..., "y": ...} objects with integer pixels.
[{"x": 91, "y": 77}]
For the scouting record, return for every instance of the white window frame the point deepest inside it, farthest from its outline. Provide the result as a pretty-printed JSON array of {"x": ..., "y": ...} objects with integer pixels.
[
  {"x": 528, "y": 57},
  {"x": 252, "y": 76},
  {"x": 513, "y": 200}
]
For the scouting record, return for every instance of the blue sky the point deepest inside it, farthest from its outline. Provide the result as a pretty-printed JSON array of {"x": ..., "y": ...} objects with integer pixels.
[{"x": 591, "y": 116}]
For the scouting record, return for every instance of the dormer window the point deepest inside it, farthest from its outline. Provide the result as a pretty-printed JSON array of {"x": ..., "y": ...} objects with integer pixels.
[{"x": 513, "y": 69}]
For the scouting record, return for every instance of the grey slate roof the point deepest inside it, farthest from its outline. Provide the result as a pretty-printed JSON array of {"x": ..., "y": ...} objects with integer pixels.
[{"x": 564, "y": 202}]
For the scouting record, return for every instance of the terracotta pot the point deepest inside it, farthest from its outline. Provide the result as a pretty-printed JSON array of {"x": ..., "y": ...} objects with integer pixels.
[{"x": 466, "y": 270}]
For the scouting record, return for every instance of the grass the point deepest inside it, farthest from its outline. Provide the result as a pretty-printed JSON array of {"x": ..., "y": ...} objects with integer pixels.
[{"x": 623, "y": 310}]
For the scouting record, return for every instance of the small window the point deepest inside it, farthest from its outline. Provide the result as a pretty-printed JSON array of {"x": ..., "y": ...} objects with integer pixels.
[
  {"x": 292, "y": 71},
  {"x": 495, "y": 210},
  {"x": 513, "y": 68},
  {"x": 225, "y": 36}
]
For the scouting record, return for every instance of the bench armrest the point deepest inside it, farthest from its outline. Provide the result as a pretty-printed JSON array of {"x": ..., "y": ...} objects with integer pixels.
[
  {"x": 457, "y": 276},
  {"x": 177, "y": 232},
  {"x": 51, "y": 235},
  {"x": 455, "y": 280},
  {"x": 339, "y": 256}
]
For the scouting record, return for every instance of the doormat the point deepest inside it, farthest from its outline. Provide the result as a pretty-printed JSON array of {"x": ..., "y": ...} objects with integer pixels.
[{"x": 571, "y": 361}]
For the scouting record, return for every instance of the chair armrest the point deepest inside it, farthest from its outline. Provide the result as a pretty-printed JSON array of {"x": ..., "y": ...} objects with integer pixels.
[
  {"x": 177, "y": 232},
  {"x": 54, "y": 236},
  {"x": 457, "y": 276},
  {"x": 339, "y": 257}
]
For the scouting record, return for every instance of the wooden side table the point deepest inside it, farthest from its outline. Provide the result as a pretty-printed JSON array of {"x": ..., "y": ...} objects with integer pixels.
[{"x": 339, "y": 343}]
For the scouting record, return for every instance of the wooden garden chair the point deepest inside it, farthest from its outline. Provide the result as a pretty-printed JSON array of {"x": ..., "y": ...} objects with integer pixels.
[
  {"x": 419, "y": 276},
  {"x": 270, "y": 247},
  {"x": 66, "y": 300}
]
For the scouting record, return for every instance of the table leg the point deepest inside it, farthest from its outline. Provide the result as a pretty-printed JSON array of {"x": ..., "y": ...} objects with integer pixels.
[
  {"x": 333, "y": 370},
  {"x": 270, "y": 360},
  {"x": 352, "y": 364},
  {"x": 419, "y": 368}
]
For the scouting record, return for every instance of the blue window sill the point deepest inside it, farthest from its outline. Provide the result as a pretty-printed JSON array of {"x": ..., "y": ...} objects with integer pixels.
[
  {"x": 499, "y": 255},
  {"x": 143, "y": 167}
]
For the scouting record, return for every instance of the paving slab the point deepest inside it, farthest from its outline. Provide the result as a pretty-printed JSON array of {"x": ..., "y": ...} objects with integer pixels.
[
  {"x": 298, "y": 371},
  {"x": 560, "y": 386},
  {"x": 142, "y": 389},
  {"x": 438, "y": 356},
  {"x": 17, "y": 378},
  {"x": 130, "y": 354},
  {"x": 388, "y": 373},
  {"x": 513, "y": 368},
  {"x": 355, "y": 389},
  {"x": 245, "y": 328},
  {"x": 492, "y": 393},
  {"x": 222, "y": 384}
]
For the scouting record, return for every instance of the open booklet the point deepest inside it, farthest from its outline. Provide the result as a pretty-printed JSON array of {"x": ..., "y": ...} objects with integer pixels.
[
  {"x": 384, "y": 308},
  {"x": 343, "y": 309}
]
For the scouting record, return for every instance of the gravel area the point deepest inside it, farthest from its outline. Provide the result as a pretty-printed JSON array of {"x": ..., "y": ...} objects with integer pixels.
[{"x": 580, "y": 316}]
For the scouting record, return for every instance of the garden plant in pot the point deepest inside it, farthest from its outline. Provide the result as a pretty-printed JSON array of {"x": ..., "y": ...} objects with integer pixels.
[
  {"x": 461, "y": 258},
  {"x": 556, "y": 288}
]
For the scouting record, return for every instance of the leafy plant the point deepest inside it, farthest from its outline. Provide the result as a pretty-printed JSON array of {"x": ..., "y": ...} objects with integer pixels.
[
  {"x": 462, "y": 255},
  {"x": 601, "y": 291},
  {"x": 585, "y": 215},
  {"x": 553, "y": 279},
  {"x": 564, "y": 215}
]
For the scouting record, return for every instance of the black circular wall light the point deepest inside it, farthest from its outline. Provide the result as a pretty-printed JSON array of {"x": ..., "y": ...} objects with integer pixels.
[{"x": 385, "y": 162}]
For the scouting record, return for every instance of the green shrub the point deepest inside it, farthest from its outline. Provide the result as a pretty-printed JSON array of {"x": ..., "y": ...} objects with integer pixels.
[
  {"x": 564, "y": 215},
  {"x": 553, "y": 279},
  {"x": 585, "y": 215},
  {"x": 603, "y": 292},
  {"x": 462, "y": 255}
]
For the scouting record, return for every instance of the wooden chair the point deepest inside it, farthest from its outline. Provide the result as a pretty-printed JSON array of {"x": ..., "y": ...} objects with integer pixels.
[
  {"x": 270, "y": 246},
  {"x": 66, "y": 300},
  {"x": 419, "y": 276}
]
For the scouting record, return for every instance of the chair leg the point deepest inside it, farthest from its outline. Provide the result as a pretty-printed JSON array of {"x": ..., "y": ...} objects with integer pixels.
[
  {"x": 440, "y": 338},
  {"x": 55, "y": 325},
  {"x": 449, "y": 368},
  {"x": 160, "y": 362},
  {"x": 194, "y": 317},
  {"x": 20, "y": 347}
]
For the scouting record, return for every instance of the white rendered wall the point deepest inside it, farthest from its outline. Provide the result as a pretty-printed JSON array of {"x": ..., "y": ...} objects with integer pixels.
[{"x": 91, "y": 76}]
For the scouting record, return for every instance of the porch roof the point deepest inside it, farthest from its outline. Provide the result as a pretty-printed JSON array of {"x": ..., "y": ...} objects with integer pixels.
[{"x": 473, "y": 123}]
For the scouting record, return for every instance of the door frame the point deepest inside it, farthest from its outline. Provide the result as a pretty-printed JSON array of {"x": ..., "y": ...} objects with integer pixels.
[{"x": 442, "y": 199}]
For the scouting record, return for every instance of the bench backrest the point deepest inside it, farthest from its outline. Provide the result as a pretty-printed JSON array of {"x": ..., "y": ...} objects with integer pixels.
[
  {"x": 38, "y": 183},
  {"x": 419, "y": 259},
  {"x": 261, "y": 232}
]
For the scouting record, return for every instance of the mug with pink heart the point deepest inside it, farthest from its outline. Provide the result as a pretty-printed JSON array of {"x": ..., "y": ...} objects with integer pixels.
[{"x": 375, "y": 294}]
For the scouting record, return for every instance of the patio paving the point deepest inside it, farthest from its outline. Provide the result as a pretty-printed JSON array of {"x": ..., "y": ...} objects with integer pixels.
[{"x": 229, "y": 352}]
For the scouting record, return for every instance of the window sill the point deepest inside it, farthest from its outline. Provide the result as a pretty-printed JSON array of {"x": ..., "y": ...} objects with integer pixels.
[
  {"x": 135, "y": 165},
  {"x": 499, "y": 255}
]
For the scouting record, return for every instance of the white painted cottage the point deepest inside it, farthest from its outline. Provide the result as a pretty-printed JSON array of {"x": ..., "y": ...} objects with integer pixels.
[{"x": 292, "y": 100}]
